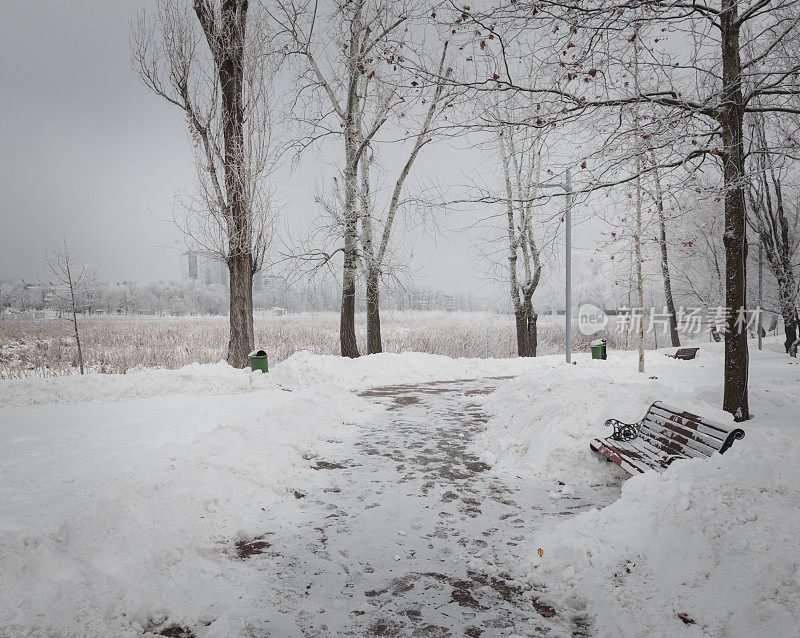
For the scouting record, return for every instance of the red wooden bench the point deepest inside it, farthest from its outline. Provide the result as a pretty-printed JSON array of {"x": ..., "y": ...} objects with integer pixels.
[{"x": 663, "y": 435}]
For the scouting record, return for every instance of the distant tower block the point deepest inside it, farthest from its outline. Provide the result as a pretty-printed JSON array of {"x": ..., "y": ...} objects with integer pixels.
[
  {"x": 192, "y": 259},
  {"x": 203, "y": 267}
]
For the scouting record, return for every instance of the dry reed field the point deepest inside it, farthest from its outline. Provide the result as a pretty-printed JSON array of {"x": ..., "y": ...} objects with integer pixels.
[{"x": 119, "y": 344}]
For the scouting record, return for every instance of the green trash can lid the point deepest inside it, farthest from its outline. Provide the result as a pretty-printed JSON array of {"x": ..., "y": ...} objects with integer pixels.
[
  {"x": 598, "y": 342},
  {"x": 257, "y": 353}
]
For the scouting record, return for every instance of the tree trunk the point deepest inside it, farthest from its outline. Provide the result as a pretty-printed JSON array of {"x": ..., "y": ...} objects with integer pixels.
[
  {"x": 735, "y": 399},
  {"x": 788, "y": 310},
  {"x": 347, "y": 317},
  {"x": 637, "y": 244},
  {"x": 521, "y": 305},
  {"x": 780, "y": 252},
  {"x": 74, "y": 312},
  {"x": 792, "y": 348},
  {"x": 673, "y": 317},
  {"x": 242, "y": 339},
  {"x": 533, "y": 333},
  {"x": 374, "y": 345},
  {"x": 78, "y": 339},
  {"x": 662, "y": 240},
  {"x": 372, "y": 262},
  {"x": 637, "y": 238},
  {"x": 790, "y": 321},
  {"x": 523, "y": 336}
]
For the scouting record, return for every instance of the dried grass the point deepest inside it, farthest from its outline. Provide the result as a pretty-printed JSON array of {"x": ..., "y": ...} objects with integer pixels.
[{"x": 114, "y": 344}]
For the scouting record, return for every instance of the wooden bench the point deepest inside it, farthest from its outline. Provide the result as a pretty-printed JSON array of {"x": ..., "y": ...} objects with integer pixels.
[
  {"x": 684, "y": 354},
  {"x": 663, "y": 435}
]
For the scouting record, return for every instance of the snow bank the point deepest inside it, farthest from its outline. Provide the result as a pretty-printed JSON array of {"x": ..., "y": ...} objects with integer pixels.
[
  {"x": 300, "y": 369},
  {"x": 393, "y": 369},
  {"x": 706, "y": 549},
  {"x": 217, "y": 378},
  {"x": 709, "y": 547},
  {"x": 542, "y": 421},
  {"x": 120, "y": 515}
]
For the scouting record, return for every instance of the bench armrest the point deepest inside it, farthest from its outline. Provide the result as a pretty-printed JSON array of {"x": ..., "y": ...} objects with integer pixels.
[
  {"x": 623, "y": 431},
  {"x": 734, "y": 434}
]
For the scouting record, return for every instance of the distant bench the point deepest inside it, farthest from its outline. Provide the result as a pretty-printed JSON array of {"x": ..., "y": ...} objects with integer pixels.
[
  {"x": 663, "y": 435},
  {"x": 685, "y": 354}
]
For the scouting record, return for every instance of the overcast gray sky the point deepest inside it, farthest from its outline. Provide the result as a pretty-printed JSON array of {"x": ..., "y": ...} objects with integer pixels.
[{"x": 89, "y": 154}]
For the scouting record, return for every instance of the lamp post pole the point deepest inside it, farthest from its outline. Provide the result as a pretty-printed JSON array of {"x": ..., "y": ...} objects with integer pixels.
[
  {"x": 568, "y": 262},
  {"x": 760, "y": 286}
]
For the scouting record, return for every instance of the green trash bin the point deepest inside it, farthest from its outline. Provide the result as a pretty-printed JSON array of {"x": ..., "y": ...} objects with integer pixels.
[
  {"x": 258, "y": 361},
  {"x": 598, "y": 349}
]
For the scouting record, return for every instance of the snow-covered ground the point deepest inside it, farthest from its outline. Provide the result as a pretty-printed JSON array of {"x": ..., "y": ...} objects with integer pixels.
[
  {"x": 709, "y": 547},
  {"x": 119, "y": 495},
  {"x": 122, "y": 496}
]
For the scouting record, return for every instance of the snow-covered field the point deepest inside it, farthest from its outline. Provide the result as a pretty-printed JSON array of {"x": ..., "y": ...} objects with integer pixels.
[{"x": 122, "y": 496}]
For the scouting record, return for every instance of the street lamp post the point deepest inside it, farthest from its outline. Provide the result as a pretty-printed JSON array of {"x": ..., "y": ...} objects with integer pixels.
[
  {"x": 568, "y": 262},
  {"x": 760, "y": 286}
]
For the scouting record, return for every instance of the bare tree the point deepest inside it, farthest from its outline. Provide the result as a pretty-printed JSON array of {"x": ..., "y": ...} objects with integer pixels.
[
  {"x": 701, "y": 254},
  {"x": 374, "y": 248},
  {"x": 658, "y": 199},
  {"x": 776, "y": 221},
  {"x": 520, "y": 151},
  {"x": 639, "y": 144},
  {"x": 223, "y": 89},
  {"x": 358, "y": 44},
  {"x": 68, "y": 273}
]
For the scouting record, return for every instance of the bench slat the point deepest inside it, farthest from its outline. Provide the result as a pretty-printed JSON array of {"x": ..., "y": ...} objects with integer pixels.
[
  {"x": 721, "y": 429},
  {"x": 649, "y": 452},
  {"x": 668, "y": 446},
  {"x": 671, "y": 447},
  {"x": 653, "y": 419},
  {"x": 641, "y": 452},
  {"x": 613, "y": 455},
  {"x": 677, "y": 442},
  {"x": 681, "y": 437},
  {"x": 709, "y": 429},
  {"x": 702, "y": 428}
]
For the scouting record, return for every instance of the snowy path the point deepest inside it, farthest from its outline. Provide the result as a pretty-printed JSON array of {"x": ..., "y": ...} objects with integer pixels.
[{"x": 409, "y": 534}]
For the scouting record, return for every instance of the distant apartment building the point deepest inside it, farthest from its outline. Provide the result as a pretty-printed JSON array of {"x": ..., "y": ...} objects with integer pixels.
[
  {"x": 208, "y": 269},
  {"x": 448, "y": 301},
  {"x": 428, "y": 299},
  {"x": 203, "y": 267}
]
